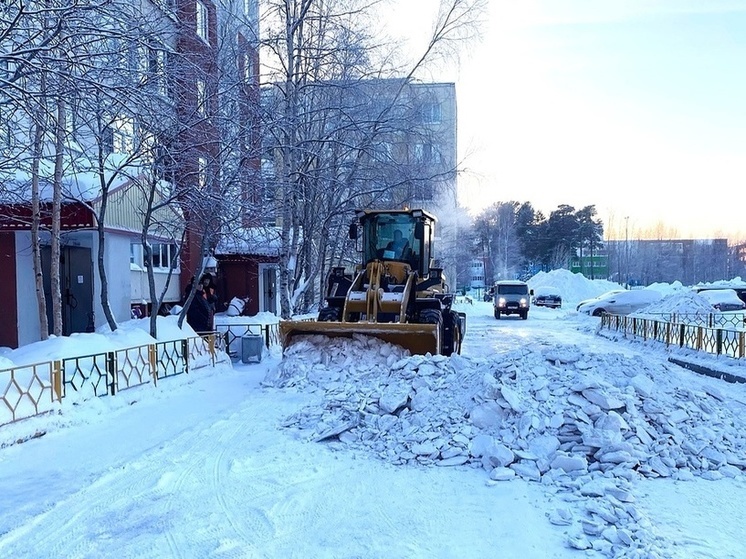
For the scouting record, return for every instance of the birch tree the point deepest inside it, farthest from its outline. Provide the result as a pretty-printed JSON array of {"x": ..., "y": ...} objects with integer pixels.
[{"x": 35, "y": 44}]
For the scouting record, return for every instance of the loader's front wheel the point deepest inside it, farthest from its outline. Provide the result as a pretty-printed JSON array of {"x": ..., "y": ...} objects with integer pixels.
[
  {"x": 431, "y": 316},
  {"x": 435, "y": 316},
  {"x": 452, "y": 334}
]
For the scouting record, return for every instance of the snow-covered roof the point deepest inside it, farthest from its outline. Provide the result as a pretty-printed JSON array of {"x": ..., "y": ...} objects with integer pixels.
[
  {"x": 78, "y": 185},
  {"x": 262, "y": 241}
]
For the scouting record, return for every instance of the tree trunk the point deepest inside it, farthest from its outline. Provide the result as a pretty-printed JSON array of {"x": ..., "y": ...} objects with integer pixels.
[
  {"x": 41, "y": 301},
  {"x": 56, "y": 294},
  {"x": 101, "y": 252}
]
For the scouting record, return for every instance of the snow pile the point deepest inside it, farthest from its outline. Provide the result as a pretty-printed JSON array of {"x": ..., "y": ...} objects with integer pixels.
[
  {"x": 131, "y": 333},
  {"x": 572, "y": 287},
  {"x": 667, "y": 289},
  {"x": 735, "y": 283},
  {"x": 584, "y": 425},
  {"x": 683, "y": 302}
]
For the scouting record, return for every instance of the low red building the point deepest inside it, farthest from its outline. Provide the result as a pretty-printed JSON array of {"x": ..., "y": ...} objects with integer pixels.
[{"x": 248, "y": 267}]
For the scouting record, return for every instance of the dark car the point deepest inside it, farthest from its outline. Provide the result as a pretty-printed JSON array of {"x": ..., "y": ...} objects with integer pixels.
[{"x": 546, "y": 298}]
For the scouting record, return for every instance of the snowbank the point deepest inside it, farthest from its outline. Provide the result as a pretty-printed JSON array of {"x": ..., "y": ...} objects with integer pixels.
[
  {"x": 572, "y": 287},
  {"x": 585, "y": 425}
]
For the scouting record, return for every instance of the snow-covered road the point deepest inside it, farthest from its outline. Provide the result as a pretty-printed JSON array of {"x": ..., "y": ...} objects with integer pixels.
[{"x": 210, "y": 466}]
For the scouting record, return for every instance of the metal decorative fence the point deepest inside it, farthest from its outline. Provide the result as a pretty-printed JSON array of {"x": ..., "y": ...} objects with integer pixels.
[
  {"x": 730, "y": 342},
  {"x": 30, "y": 390},
  {"x": 232, "y": 333},
  {"x": 735, "y": 320}
]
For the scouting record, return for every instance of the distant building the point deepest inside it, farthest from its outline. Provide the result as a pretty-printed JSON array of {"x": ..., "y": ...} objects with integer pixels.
[
  {"x": 737, "y": 261},
  {"x": 403, "y": 148},
  {"x": 689, "y": 261},
  {"x": 592, "y": 267},
  {"x": 478, "y": 280}
]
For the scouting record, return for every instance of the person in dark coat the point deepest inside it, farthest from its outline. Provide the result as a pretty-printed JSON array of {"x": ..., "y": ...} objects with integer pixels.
[{"x": 201, "y": 312}]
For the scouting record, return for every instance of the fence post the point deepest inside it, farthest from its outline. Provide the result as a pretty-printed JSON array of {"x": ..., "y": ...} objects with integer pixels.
[
  {"x": 153, "y": 359},
  {"x": 185, "y": 353},
  {"x": 211, "y": 348},
  {"x": 741, "y": 344},
  {"x": 57, "y": 380},
  {"x": 111, "y": 371},
  {"x": 719, "y": 340},
  {"x": 682, "y": 334},
  {"x": 266, "y": 335}
]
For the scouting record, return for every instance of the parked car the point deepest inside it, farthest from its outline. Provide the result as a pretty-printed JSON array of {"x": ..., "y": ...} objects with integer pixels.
[
  {"x": 723, "y": 299},
  {"x": 625, "y": 302},
  {"x": 511, "y": 297},
  {"x": 602, "y": 296},
  {"x": 547, "y": 297}
]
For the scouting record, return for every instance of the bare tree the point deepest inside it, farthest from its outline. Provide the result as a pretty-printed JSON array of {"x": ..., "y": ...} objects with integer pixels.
[
  {"x": 337, "y": 105},
  {"x": 36, "y": 46}
]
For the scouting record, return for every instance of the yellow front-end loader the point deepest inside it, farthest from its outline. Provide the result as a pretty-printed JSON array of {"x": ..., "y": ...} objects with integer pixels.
[{"x": 395, "y": 294}]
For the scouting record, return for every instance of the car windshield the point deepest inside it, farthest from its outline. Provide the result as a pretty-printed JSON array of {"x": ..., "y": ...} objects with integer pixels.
[
  {"x": 512, "y": 289},
  {"x": 544, "y": 292}
]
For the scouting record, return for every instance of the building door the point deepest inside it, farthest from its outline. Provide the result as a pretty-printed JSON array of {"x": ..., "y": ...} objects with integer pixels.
[
  {"x": 76, "y": 286},
  {"x": 268, "y": 288}
]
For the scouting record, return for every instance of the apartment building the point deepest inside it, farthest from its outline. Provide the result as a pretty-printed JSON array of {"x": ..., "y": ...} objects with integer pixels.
[{"x": 159, "y": 128}]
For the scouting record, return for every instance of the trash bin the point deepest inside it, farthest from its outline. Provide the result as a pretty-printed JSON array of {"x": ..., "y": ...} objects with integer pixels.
[{"x": 252, "y": 346}]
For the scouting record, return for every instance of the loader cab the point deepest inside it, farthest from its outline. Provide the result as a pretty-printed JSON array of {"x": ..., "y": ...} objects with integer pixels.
[{"x": 402, "y": 235}]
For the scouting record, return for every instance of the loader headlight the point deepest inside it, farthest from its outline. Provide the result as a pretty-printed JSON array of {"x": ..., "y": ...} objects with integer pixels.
[
  {"x": 501, "y": 301},
  {"x": 524, "y": 301}
]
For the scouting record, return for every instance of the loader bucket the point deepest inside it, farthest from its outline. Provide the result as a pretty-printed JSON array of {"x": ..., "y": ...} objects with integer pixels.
[{"x": 419, "y": 339}]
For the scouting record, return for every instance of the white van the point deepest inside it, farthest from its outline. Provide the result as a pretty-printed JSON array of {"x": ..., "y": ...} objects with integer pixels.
[{"x": 511, "y": 297}]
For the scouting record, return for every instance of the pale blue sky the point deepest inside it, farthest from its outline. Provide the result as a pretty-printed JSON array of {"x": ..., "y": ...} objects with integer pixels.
[{"x": 635, "y": 106}]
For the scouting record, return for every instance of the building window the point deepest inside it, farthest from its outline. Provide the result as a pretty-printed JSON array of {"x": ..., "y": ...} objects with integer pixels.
[
  {"x": 201, "y": 97},
  {"x": 248, "y": 69},
  {"x": 107, "y": 140},
  {"x": 122, "y": 135},
  {"x": 157, "y": 68},
  {"x": 163, "y": 255},
  {"x": 136, "y": 255},
  {"x": 418, "y": 153},
  {"x": 425, "y": 153},
  {"x": 431, "y": 113},
  {"x": 426, "y": 191},
  {"x": 7, "y": 69},
  {"x": 202, "y": 20},
  {"x": 386, "y": 151},
  {"x": 6, "y": 125},
  {"x": 202, "y": 172},
  {"x": 142, "y": 58}
]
